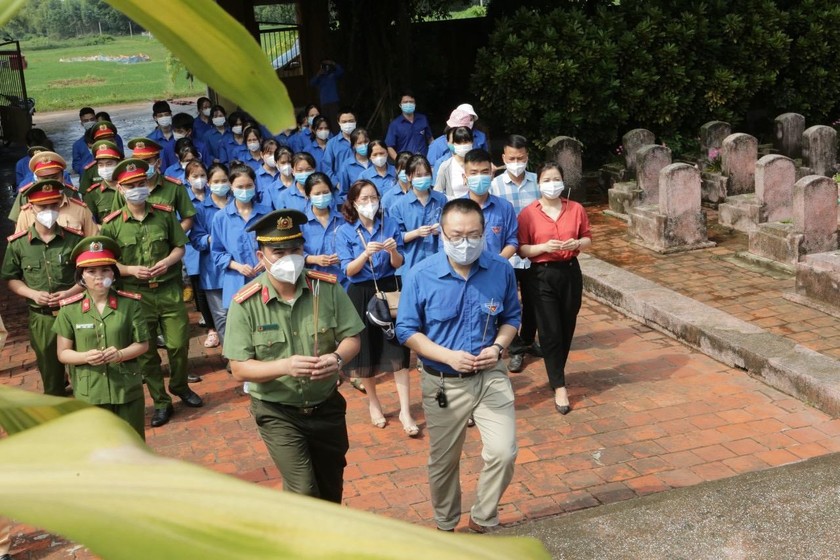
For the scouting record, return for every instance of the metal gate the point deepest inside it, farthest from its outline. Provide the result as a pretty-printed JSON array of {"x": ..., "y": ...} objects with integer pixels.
[{"x": 15, "y": 107}]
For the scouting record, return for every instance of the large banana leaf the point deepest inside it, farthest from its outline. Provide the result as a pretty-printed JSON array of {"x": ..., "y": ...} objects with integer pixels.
[{"x": 88, "y": 476}]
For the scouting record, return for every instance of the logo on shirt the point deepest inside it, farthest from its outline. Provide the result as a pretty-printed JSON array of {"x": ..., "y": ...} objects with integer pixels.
[
  {"x": 497, "y": 229},
  {"x": 491, "y": 307}
]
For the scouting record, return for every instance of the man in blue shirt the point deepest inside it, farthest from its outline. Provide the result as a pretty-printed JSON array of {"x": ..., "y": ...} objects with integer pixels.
[
  {"x": 162, "y": 134},
  {"x": 409, "y": 132},
  {"x": 459, "y": 311},
  {"x": 81, "y": 153},
  {"x": 499, "y": 217},
  {"x": 339, "y": 148},
  {"x": 326, "y": 81}
]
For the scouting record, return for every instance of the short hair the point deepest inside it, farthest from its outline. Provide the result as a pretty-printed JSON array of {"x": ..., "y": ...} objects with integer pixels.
[
  {"x": 283, "y": 150},
  {"x": 346, "y": 110},
  {"x": 160, "y": 107},
  {"x": 218, "y": 109},
  {"x": 235, "y": 116},
  {"x": 103, "y": 116},
  {"x": 402, "y": 160},
  {"x": 310, "y": 107},
  {"x": 180, "y": 143},
  {"x": 548, "y": 166},
  {"x": 417, "y": 162},
  {"x": 303, "y": 156},
  {"x": 380, "y": 143},
  {"x": 462, "y": 135},
  {"x": 183, "y": 120},
  {"x": 407, "y": 93},
  {"x": 302, "y": 117},
  {"x": 188, "y": 149},
  {"x": 269, "y": 143},
  {"x": 463, "y": 206},
  {"x": 249, "y": 130},
  {"x": 316, "y": 122},
  {"x": 477, "y": 155},
  {"x": 314, "y": 179},
  {"x": 516, "y": 141},
  {"x": 239, "y": 169},
  {"x": 201, "y": 100},
  {"x": 348, "y": 208},
  {"x": 215, "y": 168},
  {"x": 36, "y": 137},
  {"x": 354, "y": 136},
  {"x": 86, "y": 111},
  {"x": 196, "y": 163}
]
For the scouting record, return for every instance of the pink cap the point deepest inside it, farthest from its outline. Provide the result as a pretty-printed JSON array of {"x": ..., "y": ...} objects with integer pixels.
[{"x": 459, "y": 118}]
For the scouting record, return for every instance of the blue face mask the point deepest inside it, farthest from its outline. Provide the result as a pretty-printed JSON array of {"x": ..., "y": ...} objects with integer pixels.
[
  {"x": 408, "y": 108},
  {"x": 244, "y": 195},
  {"x": 150, "y": 172},
  {"x": 303, "y": 176},
  {"x": 402, "y": 177},
  {"x": 321, "y": 200},
  {"x": 479, "y": 184},
  {"x": 220, "y": 189},
  {"x": 362, "y": 150},
  {"x": 451, "y": 148},
  {"x": 421, "y": 183}
]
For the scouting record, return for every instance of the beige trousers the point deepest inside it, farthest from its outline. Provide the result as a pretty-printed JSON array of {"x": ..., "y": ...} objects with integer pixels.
[{"x": 489, "y": 398}]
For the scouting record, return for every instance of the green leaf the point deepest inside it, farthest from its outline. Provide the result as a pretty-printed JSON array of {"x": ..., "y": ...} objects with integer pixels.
[
  {"x": 21, "y": 410},
  {"x": 88, "y": 476},
  {"x": 8, "y": 9},
  {"x": 220, "y": 52}
]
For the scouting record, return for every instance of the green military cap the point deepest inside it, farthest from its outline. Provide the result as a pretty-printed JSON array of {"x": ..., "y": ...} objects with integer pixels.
[
  {"x": 103, "y": 130},
  {"x": 144, "y": 148},
  {"x": 130, "y": 170},
  {"x": 105, "y": 149},
  {"x": 96, "y": 250},
  {"x": 47, "y": 191},
  {"x": 280, "y": 229}
]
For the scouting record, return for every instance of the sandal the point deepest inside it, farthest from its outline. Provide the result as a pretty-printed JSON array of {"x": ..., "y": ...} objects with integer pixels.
[
  {"x": 356, "y": 383},
  {"x": 212, "y": 340},
  {"x": 411, "y": 431},
  {"x": 379, "y": 422}
]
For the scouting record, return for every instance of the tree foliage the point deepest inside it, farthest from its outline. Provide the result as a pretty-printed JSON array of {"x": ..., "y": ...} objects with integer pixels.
[{"x": 61, "y": 19}]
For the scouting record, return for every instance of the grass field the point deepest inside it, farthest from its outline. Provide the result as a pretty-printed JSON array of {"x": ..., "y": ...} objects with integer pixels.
[{"x": 69, "y": 85}]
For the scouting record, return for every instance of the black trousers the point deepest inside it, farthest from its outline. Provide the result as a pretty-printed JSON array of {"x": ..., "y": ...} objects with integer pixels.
[
  {"x": 528, "y": 330},
  {"x": 201, "y": 302},
  {"x": 557, "y": 289}
]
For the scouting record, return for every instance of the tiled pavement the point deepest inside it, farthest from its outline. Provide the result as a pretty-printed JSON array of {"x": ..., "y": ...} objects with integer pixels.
[{"x": 649, "y": 414}]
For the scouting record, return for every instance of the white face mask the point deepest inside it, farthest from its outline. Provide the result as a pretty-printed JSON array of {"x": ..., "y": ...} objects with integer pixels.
[
  {"x": 178, "y": 135},
  {"x": 516, "y": 168},
  {"x": 164, "y": 121},
  {"x": 287, "y": 269},
  {"x": 464, "y": 253},
  {"x": 551, "y": 189},
  {"x": 368, "y": 210},
  {"x": 137, "y": 195},
  {"x": 462, "y": 149},
  {"x": 323, "y": 134},
  {"x": 285, "y": 169},
  {"x": 348, "y": 127},
  {"x": 236, "y": 129},
  {"x": 198, "y": 183},
  {"x": 206, "y": 112},
  {"x": 218, "y": 121},
  {"x": 87, "y": 125},
  {"x": 254, "y": 146},
  {"x": 47, "y": 218},
  {"x": 379, "y": 161},
  {"x": 107, "y": 173},
  {"x": 269, "y": 160},
  {"x": 107, "y": 282}
]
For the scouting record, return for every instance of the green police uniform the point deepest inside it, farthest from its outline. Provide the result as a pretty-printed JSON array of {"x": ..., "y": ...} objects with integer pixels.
[
  {"x": 99, "y": 195},
  {"x": 43, "y": 266},
  {"x": 100, "y": 199},
  {"x": 144, "y": 243},
  {"x": 89, "y": 176},
  {"x": 117, "y": 387},
  {"x": 301, "y": 421}
]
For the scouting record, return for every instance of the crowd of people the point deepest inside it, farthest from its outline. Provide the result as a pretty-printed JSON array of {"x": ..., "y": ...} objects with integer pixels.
[{"x": 296, "y": 248}]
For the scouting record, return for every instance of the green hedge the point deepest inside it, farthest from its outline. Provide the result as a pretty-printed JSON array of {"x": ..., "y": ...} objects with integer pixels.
[{"x": 665, "y": 65}]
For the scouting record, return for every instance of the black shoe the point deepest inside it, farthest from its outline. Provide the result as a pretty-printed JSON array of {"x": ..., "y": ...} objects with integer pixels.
[
  {"x": 564, "y": 410},
  {"x": 470, "y": 421},
  {"x": 162, "y": 416},
  {"x": 535, "y": 350},
  {"x": 190, "y": 398},
  {"x": 193, "y": 378},
  {"x": 516, "y": 363}
]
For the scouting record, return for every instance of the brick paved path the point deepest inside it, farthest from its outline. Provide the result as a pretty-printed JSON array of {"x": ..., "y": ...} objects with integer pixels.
[{"x": 648, "y": 413}]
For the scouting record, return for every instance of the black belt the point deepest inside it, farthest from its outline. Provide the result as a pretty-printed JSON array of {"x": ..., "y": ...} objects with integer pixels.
[
  {"x": 432, "y": 371},
  {"x": 304, "y": 410},
  {"x": 44, "y": 311},
  {"x": 556, "y": 264}
]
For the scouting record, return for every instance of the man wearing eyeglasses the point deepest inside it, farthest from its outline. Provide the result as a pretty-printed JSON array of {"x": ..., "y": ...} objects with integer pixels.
[{"x": 459, "y": 311}]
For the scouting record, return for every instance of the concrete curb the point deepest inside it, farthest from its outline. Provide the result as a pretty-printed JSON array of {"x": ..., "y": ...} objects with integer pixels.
[{"x": 781, "y": 363}]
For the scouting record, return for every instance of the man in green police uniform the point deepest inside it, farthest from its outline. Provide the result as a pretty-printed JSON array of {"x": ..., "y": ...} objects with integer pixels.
[
  {"x": 100, "y": 196},
  {"x": 152, "y": 243},
  {"x": 288, "y": 335},
  {"x": 38, "y": 267}
]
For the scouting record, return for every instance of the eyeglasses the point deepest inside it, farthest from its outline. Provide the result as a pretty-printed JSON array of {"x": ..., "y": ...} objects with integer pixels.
[
  {"x": 367, "y": 199},
  {"x": 459, "y": 238}
]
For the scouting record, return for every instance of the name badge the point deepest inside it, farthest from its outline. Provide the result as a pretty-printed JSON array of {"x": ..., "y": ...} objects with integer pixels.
[
  {"x": 84, "y": 326},
  {"x": 270, "y": 327}
]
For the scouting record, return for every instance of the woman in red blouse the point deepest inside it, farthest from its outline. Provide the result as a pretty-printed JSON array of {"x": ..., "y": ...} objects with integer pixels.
[{"x": 552, "y": 232}]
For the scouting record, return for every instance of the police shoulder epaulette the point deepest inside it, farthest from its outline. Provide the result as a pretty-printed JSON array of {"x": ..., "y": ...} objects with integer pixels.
[
  {"x": 325, "y": 276},
  {"x": 79, "y": 202},
  {"x": 94, "y": 187},
  {"x": 111, "y": 216},
  {"x": 247, "y": 291},
  {"x": 164, "y": 207},
  {"x": 26, "y": 206},
  {"x": 175, "y": 180},
  {"x": 24, "y": 187},
  {"x": 91, "y": 164},
  {"x": 16, "y": 235},
  {"x": 73, "y": 230},
  {"x": 71, "y": 299},
  {"x": 71, "y": 186},
  {"x": 132, "y": 295}
]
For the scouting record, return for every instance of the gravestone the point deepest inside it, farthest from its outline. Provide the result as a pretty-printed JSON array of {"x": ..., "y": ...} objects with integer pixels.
[
  {"x": 788, "y": 139},
  {"x": 650, "y": 160},
  {"x": 567, "y": 153},
  {"x": 772, "y": 200},
  {"x": 738, "y": 156},
  {"x": 634, "y": 140},
  {"x": 712, "y": 135},
  {"x": 676, "y": 222},
  {"x": 819, "y": 150}
]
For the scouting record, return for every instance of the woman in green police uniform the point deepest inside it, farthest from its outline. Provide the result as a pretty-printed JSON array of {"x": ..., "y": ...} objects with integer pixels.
[{"x": 102, "y": 331}]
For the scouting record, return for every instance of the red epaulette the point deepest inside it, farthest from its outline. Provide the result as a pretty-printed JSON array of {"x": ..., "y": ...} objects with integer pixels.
[
  {"x": 16, "y": 235},
  {"x": 73, "y": 230},
  {"x": 94, "y": 186},
  {"x": 79, "y": 202},
  {"x": 175, "y": 180},
  {"x": 26, "y": 206},
  {"x": 91, "y": 164},
  {"x": 111, "y": 216},
  {"x": 24, "y": 187},
  {"x": 164, "y": 207},
  {"x": 325, "y": 276},
  {"x": 247, "y": 292},
  {"x": 132, "y": 295},
  {"x": 71, "y": 186},
  {"x": 71, "y": 299}
]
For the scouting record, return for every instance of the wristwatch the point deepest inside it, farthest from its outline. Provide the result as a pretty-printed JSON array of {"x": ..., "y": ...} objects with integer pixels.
[
  {"x": 501, "y": 349},
  {"x": 339, "y": 361}
]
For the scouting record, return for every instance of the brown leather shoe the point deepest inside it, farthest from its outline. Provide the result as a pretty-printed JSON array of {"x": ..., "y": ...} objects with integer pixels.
[{"x": 482, "y": 529}]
